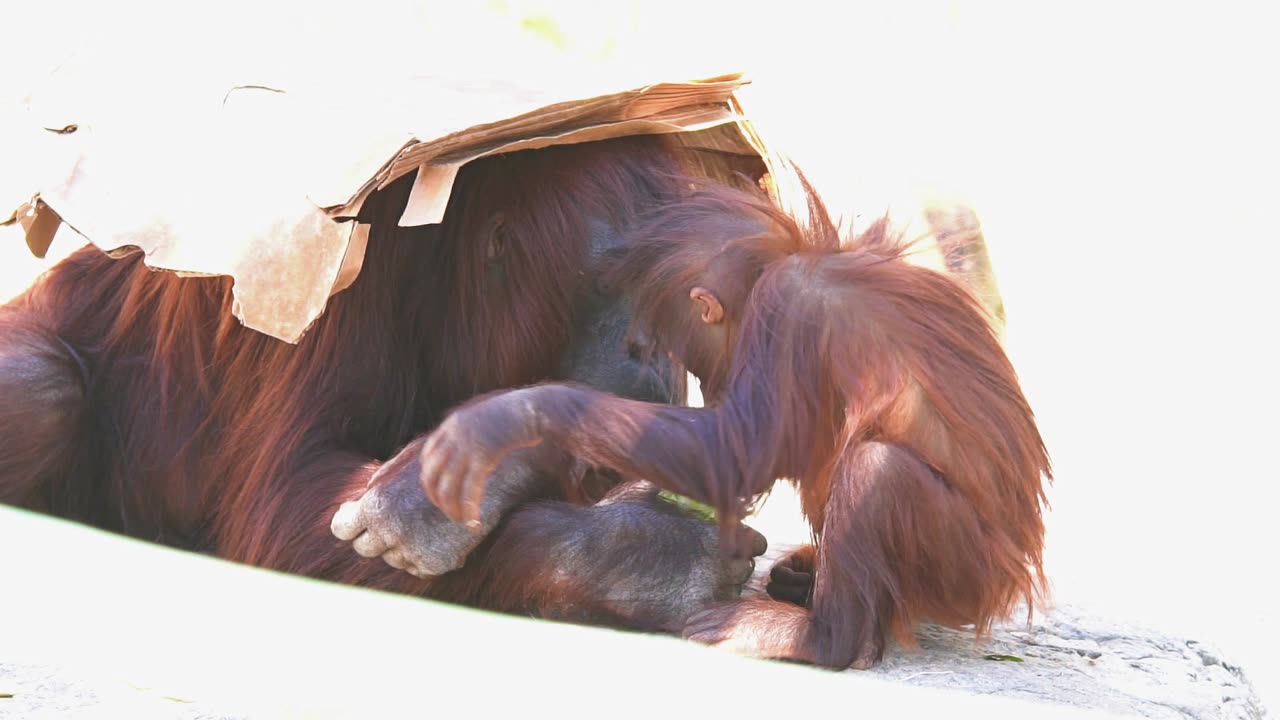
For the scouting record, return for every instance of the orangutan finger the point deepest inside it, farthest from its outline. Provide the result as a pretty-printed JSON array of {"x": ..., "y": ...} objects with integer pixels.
[
  {"x": 369, "y": 545},
  {"x": 395, "y": 557},
  {"x": 472, "y": 492},
  {"x": 784, "y": 575},
  {"x": 348, "y": 522},
  {"x": 794, "y": 594},
  {"x": 438, "y": 478},
  {"x": 460, "y": 474}
]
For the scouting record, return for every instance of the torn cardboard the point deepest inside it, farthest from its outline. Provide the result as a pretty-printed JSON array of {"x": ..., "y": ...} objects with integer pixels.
[{"x": 263, "y": 184}]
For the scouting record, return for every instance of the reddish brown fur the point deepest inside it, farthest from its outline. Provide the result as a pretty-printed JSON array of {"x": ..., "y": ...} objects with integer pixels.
[
  {"x": 878, "y": 386},
  {"x": 200, "y": 433}
]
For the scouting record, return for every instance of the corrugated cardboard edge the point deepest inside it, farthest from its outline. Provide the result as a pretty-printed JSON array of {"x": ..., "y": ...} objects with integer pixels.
[
  {"x": 328, "y": 245},
  {"x": 434, "y": 182}
]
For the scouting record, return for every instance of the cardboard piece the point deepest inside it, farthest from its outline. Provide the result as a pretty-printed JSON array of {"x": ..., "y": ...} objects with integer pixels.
[{"x": 263, "y": 184}]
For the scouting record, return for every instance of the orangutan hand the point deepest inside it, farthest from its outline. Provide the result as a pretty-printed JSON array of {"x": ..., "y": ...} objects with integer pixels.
[{"x": 460, "y": 455}]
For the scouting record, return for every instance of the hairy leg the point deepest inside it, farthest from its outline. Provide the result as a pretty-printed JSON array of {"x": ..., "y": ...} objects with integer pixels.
[
  {"x": 632, "y": 560},
  {"x": 898, "y": 546},
  {"x": 42, "y": 397}
]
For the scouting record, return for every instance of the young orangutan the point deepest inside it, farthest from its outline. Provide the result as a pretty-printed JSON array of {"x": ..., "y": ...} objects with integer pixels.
[{"x": 877, "y": 386}]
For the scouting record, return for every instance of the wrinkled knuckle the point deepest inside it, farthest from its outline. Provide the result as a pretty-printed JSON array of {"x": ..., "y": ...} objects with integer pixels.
[
  {"x": 375, "y": 502},
  {"x": 390, "y": 534},
  {"x": 367, "y": 550}
]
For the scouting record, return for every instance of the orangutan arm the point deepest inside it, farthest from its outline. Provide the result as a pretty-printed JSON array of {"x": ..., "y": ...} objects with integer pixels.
[{"x": 674, "y": 447}]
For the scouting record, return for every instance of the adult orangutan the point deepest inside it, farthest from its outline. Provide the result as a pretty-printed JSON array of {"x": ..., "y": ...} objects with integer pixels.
[
  {"x": 876, "y": 385},
  {"x": 134, "y": 401}
]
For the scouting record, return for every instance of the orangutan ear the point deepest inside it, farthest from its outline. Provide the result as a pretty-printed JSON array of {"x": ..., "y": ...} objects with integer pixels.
[{"x": 708, "y": 304}]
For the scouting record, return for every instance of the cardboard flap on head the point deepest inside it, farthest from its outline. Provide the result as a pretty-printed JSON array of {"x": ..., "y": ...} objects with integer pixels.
[
  {"x": 263, "y": 184},
  {"x": 39, "y": 224},
  {"x": 429, "y": 195}
]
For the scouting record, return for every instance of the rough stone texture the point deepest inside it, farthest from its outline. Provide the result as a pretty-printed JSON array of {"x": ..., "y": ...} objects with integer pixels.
[
  {"x": 1069, "y": 656},
  {"x": 1075, "y": 658},
  {"x": 45, "y": 691}
]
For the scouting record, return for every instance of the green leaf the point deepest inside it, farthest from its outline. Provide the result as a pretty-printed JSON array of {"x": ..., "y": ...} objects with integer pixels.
[
  {"x": 700, "y": 510},
  {"x": 1003, "y": 658}
]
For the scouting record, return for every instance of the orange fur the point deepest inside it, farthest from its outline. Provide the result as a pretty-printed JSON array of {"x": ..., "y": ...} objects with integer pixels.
[
  {"x": 166, "y": 419},
  {"x": 877, "y": 385}
]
